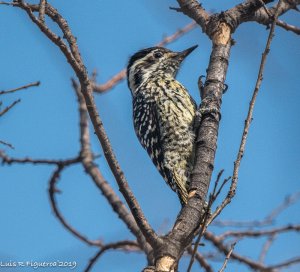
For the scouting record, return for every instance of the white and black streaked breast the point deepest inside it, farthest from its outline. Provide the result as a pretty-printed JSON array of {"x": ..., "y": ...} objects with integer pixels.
[{"x": 147, "y": 129}]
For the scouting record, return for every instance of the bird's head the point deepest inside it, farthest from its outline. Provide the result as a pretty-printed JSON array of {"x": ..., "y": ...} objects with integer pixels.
[{"x": 154, "y": 61}]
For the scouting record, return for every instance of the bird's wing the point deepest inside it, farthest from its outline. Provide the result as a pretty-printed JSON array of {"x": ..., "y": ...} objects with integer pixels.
[{"x": 146, "y": 125}]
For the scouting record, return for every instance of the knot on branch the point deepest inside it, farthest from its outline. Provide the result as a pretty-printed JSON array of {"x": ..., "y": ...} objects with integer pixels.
[
  {"x": 168, "y": 248},
  {"x": 166, "y": 264},
  {"x": 219, "y": 28}
]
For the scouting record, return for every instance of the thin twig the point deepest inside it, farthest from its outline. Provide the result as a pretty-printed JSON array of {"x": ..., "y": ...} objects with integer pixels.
[
  {"x": 288, "y": 201},
  {"x": 201, "y": 259},
  {"x": 7, "y": 160},
  {"x": 266, "y": 248},
  {"x": 7, "y": 144},
  {"x": 227, "y": 257},
  {"x": 206, "y": 217},
  {"x": 42, "y": 10},
  {"x": 128, "y": 246},
  {"x": 37, "y": 83},
  {"x": 268, "y": 220},
  {"x": 9, "y": 107},
  {"x": 259, "y": 233},
  {"x": 6, "y": 3},
  {"x": 286, "y": 263},
  {"x": 288, "y": 27},
  {"x": 218, "y": 243},
  {"x": 52, "y": 190},
  {"x": 265, "y": 8}
]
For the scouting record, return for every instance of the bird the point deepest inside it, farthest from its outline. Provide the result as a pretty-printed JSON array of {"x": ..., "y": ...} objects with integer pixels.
[{"x": 164, "y": 114}]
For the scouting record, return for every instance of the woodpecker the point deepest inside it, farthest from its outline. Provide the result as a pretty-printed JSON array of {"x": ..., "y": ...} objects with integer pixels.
[{"x": 164, "y": 114}]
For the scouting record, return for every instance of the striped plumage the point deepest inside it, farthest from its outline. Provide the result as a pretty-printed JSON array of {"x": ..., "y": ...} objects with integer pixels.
[{"x": 163, "y": 114}]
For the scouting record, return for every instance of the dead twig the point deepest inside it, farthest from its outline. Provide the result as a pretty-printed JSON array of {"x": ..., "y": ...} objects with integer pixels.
[
  {"x": 127, "y": 246},
  {"x": 42, "y": 10},
  {"x": 8, "y": 160},
  {"x": 268, "y": 220},
  {"x": 227, "y": 257},
  {"x": 206, "y": 217},
  {"x": 9, "y": 107},
  {"x": 7, "y": 144},
  {"x": 266, "y": 248},
  {"x": 34, "y": 84},
  {"x": 52, "y": 191}
]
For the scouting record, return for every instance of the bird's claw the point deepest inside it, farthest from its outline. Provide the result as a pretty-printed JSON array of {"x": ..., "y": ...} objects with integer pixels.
[{"x": 207, "y": 107}]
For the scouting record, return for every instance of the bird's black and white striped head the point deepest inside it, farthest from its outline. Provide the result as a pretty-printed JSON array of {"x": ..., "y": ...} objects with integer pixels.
[{"x": 151, "y": 62}]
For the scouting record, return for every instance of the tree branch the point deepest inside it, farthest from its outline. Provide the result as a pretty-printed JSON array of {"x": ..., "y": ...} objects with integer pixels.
[
  {"x": 73, "y": 57},
  {"x": 52, "y": 190},
  {"x": 259, "y": 233},
  {"x": 42, "y": 10},
  {"x": 195, "y": 11},
  {"x": 268, "y": 220},
  {"x": 37, "y": 83},
  {"x": 227, "y": 258},
  {"x": 7, "y": 144},
  {"x": 201, "y": 259},
  {"x": 266, "y": 248},
  {"x": 5, "y": 110},
  {"x": 7, "y": 160},
  {"x": 128, "y": 246},
  {"x": 93, "y": 171},
  {"x": 265, "y": 17}
]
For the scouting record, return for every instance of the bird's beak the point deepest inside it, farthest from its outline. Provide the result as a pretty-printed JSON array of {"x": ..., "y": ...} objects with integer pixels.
[{"x": 183, "y": 54}]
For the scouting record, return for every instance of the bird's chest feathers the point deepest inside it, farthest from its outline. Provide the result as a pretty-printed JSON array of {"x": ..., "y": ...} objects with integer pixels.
[{"x": 174, "y": 102}]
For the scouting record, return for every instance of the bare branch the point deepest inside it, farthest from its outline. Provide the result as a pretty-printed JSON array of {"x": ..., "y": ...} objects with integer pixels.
[
  {"x": 269, "y": 219},
  {"x": 256, "y": 266},
  {"x": 288, "y": 27},
  {"x": 287, "y": 263},
  {"x": 206, "y": 217},
  {"x": 52, "y": 190},
  {"x": 9, "y": 107},
  {"x": 6, "y": 3},
  {"x": 195, "y": 11},
  {"x": 42, "y": 10},
  {"x": 7, "y": 160},
  {"x": 7, "y": 144},
  {"x": 227, "y": 257},
  {"x": 265, "y": 16},
  {"x": 288, "y": 201},
  {"x": 225, "y": 250},
  {"x": 37, "y": 83},
  {"x": 93, "y": 171},
  {"x": 128, "y": 246},
  {"x": 258, "y": 233},
  {"x": 73, "y": 57},
  {"x": 201, "y": 259},
  {"x": 266, "y": 248}
]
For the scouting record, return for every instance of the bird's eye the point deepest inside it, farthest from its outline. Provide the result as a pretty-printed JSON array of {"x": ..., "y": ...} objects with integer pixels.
[{"x": 158, "y": 54}]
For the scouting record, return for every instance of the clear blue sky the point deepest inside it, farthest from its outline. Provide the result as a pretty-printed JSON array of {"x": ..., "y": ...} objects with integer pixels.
[{"x": 45, "y": 125}]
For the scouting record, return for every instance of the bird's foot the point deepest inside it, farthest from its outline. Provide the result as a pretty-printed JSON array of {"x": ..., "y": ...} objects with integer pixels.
[{"x": 207, "y": 107}]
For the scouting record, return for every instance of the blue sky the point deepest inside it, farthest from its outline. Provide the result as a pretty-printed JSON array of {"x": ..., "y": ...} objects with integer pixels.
[{"x": 45, "y": 125}]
